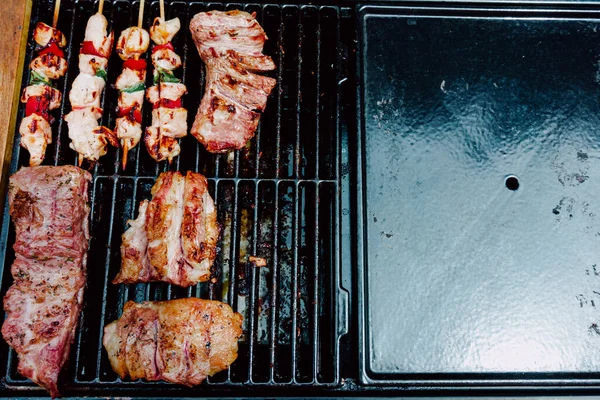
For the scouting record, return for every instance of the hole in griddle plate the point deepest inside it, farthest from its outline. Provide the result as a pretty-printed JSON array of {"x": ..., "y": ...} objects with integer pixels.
[{"x": 512, "y": 182}]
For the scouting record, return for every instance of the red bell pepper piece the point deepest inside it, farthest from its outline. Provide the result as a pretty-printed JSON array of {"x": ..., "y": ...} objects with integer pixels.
[
  {"x": 133, "y": 113},
  {"x": 166, "y": 103},
  {"x": 163, "y": 46},
  {"x": 38, "y": 105},
  {"x": 88, "y": 47},
  {"x": 52, "y": 48},
  {"x": 138, "y": 65}
]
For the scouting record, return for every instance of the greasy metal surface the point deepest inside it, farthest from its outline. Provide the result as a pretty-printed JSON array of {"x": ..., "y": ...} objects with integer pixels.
[
  {"x": 463, "y": 279},
  {"x": 276, "y": 199}
]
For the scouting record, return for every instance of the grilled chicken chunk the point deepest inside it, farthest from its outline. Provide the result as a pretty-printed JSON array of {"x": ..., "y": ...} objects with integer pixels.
[
  {"x": 165, "y": 90},
  {"x": 49, "y": 65},
  {"x": 36, "y": 134},
  {"x": 175, "y": 236},
  {"x": 130, "y": 77},
  {"x": 162, "y": 32},
  {"x": 129, "y": 131},
  {"x": 166, "y": 59},
  {"x": 43, "y": 34},
  {"x": 180, "y": 341},
  {"x": 87, "y": 138},
  {"x": 230, "y": 44},
  {"x": 159, "y": 146},
  {"x": 132, "y": 43},
  {"x": 49, "y": 207},
  {"x": 171, "y": 121},
  {"x": 90, "y": 64},
  {"x": 85, "y": 91},
  {"x": 133, "y": 99}
]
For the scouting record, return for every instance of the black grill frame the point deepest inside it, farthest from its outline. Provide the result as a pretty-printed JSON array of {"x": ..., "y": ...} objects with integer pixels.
[{"x": 301, "y": 197}]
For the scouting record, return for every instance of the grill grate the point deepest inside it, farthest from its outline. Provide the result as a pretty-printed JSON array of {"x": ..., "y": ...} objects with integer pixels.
[{"x": 277, "y": 198}]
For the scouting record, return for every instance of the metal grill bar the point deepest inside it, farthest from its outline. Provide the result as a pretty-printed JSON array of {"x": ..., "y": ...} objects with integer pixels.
[
  {"x": 317, "y": 266},
  {"x": 271, "y": 196},
  {"x": 295, "y": 292}
]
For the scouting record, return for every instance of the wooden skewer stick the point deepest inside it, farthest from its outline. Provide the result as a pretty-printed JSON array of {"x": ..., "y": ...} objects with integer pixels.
[
  {"x": 162, "y": 9},
  {"x": 100, "y": 6},
  {"x": 141, "y": 14},
  {"x": 125, "y": 145},
  {"x": 56, "y": 11}
]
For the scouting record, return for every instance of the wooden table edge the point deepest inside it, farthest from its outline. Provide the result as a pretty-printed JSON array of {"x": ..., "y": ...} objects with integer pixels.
[{"x": 14, "y": 33}]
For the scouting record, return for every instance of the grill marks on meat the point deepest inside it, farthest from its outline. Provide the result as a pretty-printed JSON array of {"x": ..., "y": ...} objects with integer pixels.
[
  {"x": 230, "y": 44},
  {"x": 175, "y": 236},
  {"x": 199, "y": 228},
  {"x": 179, "y": 341},
  {"x": 49, "y": 208}
]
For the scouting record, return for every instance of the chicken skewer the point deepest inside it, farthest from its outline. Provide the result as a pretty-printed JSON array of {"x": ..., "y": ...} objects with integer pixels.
[
  {"x": 40, "y": 96},
  {"x": 169, "y": 118},
  {"x": 89, "y": 139},
  {"x": 132, "y": 44}
]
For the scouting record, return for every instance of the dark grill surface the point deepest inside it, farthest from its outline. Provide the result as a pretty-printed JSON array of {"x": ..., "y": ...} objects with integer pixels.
[{"x": 277, "y": 199}]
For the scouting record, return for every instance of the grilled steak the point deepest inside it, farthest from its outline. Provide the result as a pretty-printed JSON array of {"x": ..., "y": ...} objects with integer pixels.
[
  {"x": 49, "y": 208},
  {"x": 180, "y": 341},
  {"x": 175, "y": 235},
  {"x": 230, "y": 44}
]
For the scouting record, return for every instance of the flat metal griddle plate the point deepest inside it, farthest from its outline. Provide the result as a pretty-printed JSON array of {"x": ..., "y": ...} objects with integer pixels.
[{"x": 462, "y": 277}]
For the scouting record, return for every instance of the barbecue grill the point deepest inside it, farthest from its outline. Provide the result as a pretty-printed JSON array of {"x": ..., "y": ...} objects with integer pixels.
[{"x": 391, "y": 266}]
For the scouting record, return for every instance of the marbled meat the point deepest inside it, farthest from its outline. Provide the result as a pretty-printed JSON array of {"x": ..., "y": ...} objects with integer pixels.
[
  {"x": 175, "y": 235},
  {"x": 49, "y": 207},
  {"x": 179, "y": 341},
  {"x": 230, "y": 44}
]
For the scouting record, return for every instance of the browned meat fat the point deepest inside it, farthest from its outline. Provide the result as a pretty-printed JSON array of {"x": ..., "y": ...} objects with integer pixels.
[
  {"x": 180, "y": 341},
  {"x": 230, "y": 44},
  {"x": 49, "y": 207}
]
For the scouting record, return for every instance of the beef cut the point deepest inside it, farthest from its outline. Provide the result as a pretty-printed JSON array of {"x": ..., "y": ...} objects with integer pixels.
[
  {"x": 230, "y": 44},
  {"x": 49, "y": 207},
  {"x": 180, "y": 341},
  {"x": 174, "y": 237}
]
